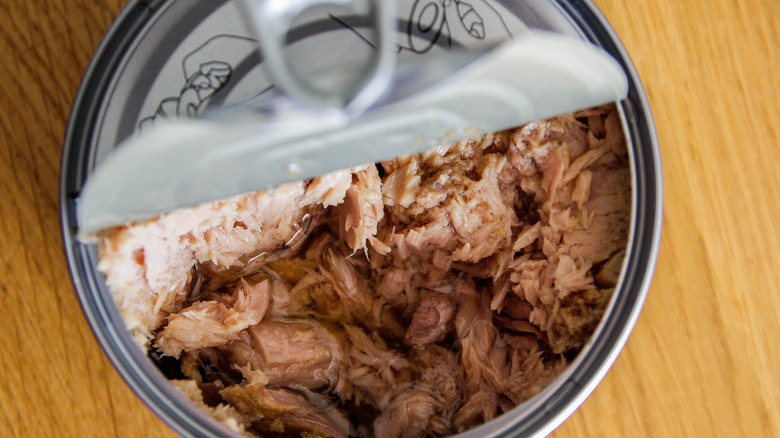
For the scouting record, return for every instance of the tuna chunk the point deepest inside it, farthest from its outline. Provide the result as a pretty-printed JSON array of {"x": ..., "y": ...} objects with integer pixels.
[
  {"x": 483, "y": 354},
  {"x": 223, "y": 413},
  {"x": 370, "y": 371},
  {"x": 429, "y": 321},
  {"x": 211, "y": 323},
  {"x": 284, "y": 410},
  {"x": 409, "y": 415},
  {"x": 355, "y": 295},
  {"x": 608, "y": 209},
  {"x": 402, "y": 185},
  {"x": 296, "y": 353},
  {"x": 462, "y": 208},
  {"x": 427, "y": 408},
  {"x": 329, "y": 189},
  {"x": 362, "y": 209},
  {"x": 482, "y": 406}
]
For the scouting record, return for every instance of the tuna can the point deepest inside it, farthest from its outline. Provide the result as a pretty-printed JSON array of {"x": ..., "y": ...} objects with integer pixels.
[{"x": 175, "y": 58}]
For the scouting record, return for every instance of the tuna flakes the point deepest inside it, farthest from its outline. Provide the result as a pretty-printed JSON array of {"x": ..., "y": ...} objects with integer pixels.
[{"x": 422, "y": 296}]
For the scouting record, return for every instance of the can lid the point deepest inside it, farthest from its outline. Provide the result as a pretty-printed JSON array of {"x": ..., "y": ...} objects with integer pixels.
[{"x": 185, "y": 60}]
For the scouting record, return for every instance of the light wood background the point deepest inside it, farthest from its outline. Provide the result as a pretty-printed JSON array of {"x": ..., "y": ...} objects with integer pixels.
[{"x": 704, "y": 359}]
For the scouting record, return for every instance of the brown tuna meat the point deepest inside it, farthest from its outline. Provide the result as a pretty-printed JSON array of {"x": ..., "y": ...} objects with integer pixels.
[
  {"x": 284, "y": 410},
  {"x": 371, "y": 371},
  {"x": 296, "y": 352},
  {"x": 483, "y": 354},
  {"x": 355, "y": 295},
  {"x": 362, "y": 209},
  {"x": 429, "y": 321},
  {"x": 479, "y": 408},
  {"x": 426, "y": 409},
  {"x": 609, "y": 205},
  {"x": 211, "y": 323},
  {"x": 223, "y": 413},
  {"x": 402, "y": 185},
  {"x": 409, "y": 415}
]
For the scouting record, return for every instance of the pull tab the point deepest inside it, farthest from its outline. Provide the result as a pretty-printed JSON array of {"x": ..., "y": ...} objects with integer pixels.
[{"x": 272, "y": 19}]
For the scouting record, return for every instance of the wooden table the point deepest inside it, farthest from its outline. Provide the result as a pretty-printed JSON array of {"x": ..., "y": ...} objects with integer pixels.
[{"x": 704, "y": 358}]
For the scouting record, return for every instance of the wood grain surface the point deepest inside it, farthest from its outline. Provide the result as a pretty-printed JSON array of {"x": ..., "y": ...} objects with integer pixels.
[{"x": 703, "y": 360}]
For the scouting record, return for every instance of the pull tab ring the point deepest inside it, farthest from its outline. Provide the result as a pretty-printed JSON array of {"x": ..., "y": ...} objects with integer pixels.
[{"x": 271, "y": 20}]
